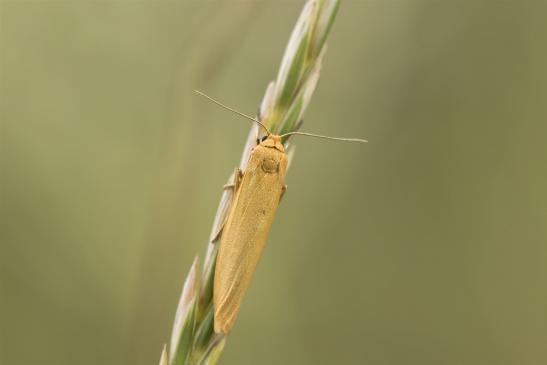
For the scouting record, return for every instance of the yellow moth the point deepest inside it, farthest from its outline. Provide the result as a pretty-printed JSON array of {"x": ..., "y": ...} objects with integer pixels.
[
  {"x": 246, "y": 230},
  {"x": 257, "y": 192}
]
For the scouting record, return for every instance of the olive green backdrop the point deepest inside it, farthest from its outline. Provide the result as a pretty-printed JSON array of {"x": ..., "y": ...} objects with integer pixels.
[{"x": 427, "y": 246}]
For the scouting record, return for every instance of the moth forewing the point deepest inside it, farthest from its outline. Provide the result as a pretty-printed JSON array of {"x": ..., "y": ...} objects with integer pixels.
[{"x": 247, "y": 227}]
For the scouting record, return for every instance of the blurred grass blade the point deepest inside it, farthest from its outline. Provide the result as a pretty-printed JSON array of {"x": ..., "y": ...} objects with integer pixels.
[
  {"x": 164, "y": 360},
  {"x": 206, "y": 296},
  {"x": 292, "y": 65},
  {"x": 205, "y": 331},
  {"x": 214, "y": 351},
  {"x": 183, "y": 328},
  {"x": 327, "y": 13},
  {"x": 267, "y": 103},
  {"x": 292, "y": 115},
  {"x": 302, "y": 99}
]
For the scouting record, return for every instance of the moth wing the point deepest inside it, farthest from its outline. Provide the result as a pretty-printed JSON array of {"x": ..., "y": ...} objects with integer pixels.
[{"x": 244, "y": 238}]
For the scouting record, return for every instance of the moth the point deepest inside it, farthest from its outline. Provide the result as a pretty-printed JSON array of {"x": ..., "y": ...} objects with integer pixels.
[{"x": 257, "y": 193}]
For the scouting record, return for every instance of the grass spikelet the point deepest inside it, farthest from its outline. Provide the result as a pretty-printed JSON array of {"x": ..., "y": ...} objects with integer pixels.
[{"x": 193, "y": 340}]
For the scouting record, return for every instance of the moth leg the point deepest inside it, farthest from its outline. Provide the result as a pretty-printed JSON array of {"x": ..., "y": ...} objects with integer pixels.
[
  {"x": 238, "y": 176},
  {"x": 235, "y": 181},
  {"x": 217, "y": 235},
  {"x": 283, "y": 190},
  {"x": 233, "y": 185}
]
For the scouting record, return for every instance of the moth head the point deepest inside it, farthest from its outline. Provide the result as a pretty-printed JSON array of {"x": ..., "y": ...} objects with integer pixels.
[{"x": 272, "y": 141}]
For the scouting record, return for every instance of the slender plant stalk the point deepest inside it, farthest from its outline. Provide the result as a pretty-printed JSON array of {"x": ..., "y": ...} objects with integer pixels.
[{"x": 193, "y": 340}]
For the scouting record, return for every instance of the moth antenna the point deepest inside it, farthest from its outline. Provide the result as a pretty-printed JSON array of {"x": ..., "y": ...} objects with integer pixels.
[
  {"x": 325, "y": 137},
  {"x": 233, "y": 110}
]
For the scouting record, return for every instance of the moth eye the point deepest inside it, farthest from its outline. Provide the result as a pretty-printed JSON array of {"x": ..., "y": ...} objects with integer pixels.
[
  {"x": 264, "y": 138},
  {"x": 258, "y": 141}
]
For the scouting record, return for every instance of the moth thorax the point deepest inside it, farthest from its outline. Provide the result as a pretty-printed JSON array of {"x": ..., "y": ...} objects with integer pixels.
[{"x": 270, "y": 165}]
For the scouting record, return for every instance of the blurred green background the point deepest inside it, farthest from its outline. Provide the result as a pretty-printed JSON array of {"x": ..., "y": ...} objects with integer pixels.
[{"x": 426, "y": 246}]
